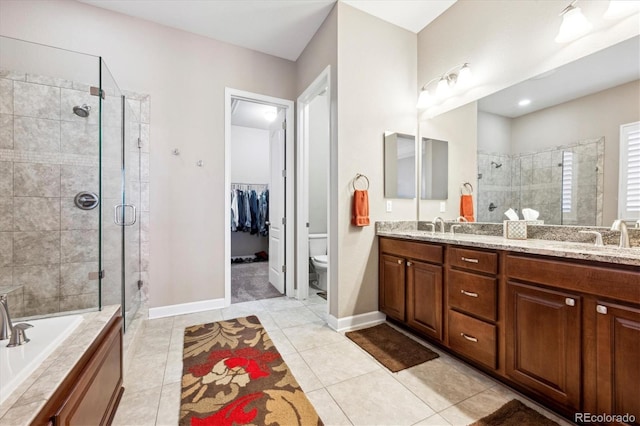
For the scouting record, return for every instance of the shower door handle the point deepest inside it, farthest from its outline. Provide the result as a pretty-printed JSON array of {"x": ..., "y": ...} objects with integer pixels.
[{"x": 116, "y": 217}]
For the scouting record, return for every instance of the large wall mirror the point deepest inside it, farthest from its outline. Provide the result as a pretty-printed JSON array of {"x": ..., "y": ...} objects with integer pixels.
[
  {"x": 551, "y": 143},
  {"x": 399, "y": 165},
  {"x": 434, "y": 173}
]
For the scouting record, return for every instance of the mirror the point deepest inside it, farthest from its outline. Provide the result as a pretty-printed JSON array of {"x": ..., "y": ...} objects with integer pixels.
[
  {"x": 399, "y": 165},
  {"x": 434, "y": 173},
  {"x": 551, "y": 143}
]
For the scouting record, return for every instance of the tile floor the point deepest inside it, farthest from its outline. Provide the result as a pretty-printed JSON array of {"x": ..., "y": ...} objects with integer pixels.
[{"x": 345, "y": 384}]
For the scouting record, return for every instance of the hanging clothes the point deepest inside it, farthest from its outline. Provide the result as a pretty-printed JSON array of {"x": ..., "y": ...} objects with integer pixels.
[{"x": 250, "y": 210}]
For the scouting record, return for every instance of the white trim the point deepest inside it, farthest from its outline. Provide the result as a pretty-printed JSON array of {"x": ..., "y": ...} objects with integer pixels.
[
  {"x": 288, "y": 105},
  {"x": 355, "y": 322},
  {"x": 186, "y": 308},
  {"x": 320, "y": 84},
  {"x": 623, "y": 176}
]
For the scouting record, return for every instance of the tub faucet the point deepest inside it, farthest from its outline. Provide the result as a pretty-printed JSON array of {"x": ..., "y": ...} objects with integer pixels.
[
  {"x": 435, "y": 221},
  {"x": 620, "y": 225},
  {"x": 6, "y": 327}
]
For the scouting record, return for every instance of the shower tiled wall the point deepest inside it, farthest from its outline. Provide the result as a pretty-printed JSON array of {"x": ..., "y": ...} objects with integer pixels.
[
  {"x": 534, "y": 180},
  {"x": 47, "y": 155}
]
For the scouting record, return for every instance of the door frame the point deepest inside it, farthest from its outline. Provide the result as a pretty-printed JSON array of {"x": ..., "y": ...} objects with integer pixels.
[
  {"x": 320, "y": 84},
  {"x": 288, "y": 105}
]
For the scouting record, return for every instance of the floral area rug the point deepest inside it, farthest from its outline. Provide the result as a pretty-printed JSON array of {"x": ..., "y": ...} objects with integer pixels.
[{"x": 233, "y": 375}]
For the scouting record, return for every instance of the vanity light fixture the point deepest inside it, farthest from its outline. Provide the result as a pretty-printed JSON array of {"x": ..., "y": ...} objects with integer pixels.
[
  {"x": 619, "y": 9},
  {"x": 524, "y": 102},
  {"x": 457, "y": 76},
  {"x": 574, "y": 24}
]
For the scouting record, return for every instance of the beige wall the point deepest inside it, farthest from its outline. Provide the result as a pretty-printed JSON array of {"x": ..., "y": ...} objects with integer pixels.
[
  {"x": 185, "y": 75},
  {"x": 589, "y": 117},
  {"x": 376, "y": 93}
]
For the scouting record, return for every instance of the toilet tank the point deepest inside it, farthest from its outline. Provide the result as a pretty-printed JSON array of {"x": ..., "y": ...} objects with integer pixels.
[{"x": 317, "y": 244}]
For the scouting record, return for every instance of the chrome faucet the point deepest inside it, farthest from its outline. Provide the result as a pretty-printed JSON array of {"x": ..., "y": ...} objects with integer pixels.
[
  {"x": 454, "y": 227},
  {"x": 433, "y": 227},
  {"x": 6, "y": 327},
  {"x": 435, "y": 221},
  {"x": 620, "y": 225},
  {"x": 462, "y": 219}
]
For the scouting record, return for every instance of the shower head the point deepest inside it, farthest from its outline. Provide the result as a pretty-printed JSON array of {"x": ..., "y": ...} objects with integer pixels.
[
  {"x": 496, "y": 165},
  {"x": 82, "y": 111}
]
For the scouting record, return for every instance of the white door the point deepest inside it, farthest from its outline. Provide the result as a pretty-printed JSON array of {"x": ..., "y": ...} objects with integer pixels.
[{"x": 277, "y": 209}]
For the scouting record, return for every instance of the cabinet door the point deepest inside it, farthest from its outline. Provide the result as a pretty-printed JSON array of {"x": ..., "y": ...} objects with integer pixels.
[
  {"x": 618, "y": 362},
  {"x": 391, "y": 286},
  {"x": 424, "y": 298},
  {"x": 543, "y": 338}
]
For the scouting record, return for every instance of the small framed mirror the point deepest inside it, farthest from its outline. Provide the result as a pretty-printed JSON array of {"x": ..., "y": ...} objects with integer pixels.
[
  {"x": 434, "y": 175},
  {"x": 399, "y": 165}
]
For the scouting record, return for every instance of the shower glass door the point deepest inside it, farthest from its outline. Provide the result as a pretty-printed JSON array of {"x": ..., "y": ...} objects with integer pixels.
[
  {"x": 111, "y": 189},
  {"x": 131, "y": 211}
]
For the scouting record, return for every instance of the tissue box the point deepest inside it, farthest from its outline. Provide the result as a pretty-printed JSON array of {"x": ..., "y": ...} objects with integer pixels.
[{"x": 515, "y": 229}]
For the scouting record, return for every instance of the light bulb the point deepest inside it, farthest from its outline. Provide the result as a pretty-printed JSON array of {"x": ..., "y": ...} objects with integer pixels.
[
  {"x": 464, "y": 75},
  {"x": 424, "y": 100},
  {"x": 574, "y": 25},
  {"x": 270, "y": 115},
  {"x": 443, "y": 87},
  {"x": 619, "y": 9}
]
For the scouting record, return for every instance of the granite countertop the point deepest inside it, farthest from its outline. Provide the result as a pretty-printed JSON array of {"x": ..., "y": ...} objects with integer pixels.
[
  {"x": 30, "y": 396},
  {"x": 572, "y": 250}
]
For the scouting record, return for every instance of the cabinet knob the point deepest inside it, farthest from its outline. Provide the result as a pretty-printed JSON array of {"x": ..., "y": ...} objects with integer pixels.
[
  {"x": 570, "y": 302},
  {"x": 409, "y": 263},
  {"x": 399, "y": 261},
  {"x": 470, "y": 338},
  {"x": 601, "y": 309}
]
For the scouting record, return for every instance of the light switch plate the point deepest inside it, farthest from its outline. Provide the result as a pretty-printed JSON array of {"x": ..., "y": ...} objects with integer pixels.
[
  {"x": 443, "y": 206},
  {"x": 389, "y": 206}
]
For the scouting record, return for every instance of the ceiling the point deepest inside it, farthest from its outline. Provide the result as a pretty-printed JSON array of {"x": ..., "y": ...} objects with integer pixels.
[
  {"x": 250, "y": 114},
  {"x": 281, "y": 28},
  {"x": 602, "y": 70}
]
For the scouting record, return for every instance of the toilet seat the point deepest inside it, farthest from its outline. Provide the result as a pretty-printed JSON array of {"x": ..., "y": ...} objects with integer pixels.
[{"x": 321, "y": 259}]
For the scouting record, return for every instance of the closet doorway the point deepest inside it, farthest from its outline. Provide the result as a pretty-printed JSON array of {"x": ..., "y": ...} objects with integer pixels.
[{"x": 256, "y": 237}]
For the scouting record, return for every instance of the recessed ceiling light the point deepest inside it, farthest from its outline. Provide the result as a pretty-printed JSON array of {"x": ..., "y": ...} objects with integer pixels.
[
  {"x": 270, "y": 114},
  {"x": 524, "y": 102}
]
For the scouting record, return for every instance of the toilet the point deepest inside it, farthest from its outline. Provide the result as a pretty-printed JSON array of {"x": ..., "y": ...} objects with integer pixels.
[{"x": 318, "y": 255}]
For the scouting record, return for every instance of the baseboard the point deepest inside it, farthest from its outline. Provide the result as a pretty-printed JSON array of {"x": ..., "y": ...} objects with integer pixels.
[
  {"x": 185, "y": 308},
  {"x": 356, "y": 321}
]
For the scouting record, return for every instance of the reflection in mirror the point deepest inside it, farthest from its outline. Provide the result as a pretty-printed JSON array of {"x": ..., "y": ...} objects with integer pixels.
[
  {"x": 399, "y": 165},
  {"x": 562, "y": 184},
  {"x": 434, "y": 176},
  {"x": 551, "y": 143}
]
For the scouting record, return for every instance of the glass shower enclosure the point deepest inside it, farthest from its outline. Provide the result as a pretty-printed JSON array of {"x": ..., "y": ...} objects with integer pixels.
[{"x": 69, "y": 184}]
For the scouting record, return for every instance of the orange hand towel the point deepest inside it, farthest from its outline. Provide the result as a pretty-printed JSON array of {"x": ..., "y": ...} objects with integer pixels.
[
  {"x": 466, "y": 207},
  {"x": 360, "y": 210}
]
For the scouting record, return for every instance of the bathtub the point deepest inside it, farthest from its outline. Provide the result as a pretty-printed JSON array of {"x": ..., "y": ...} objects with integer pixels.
[{"x": 17, "y": 363}]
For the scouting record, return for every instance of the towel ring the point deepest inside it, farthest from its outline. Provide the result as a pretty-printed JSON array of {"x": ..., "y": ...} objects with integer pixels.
[
  {"x": 357, "y": 178},
  {"x": 466, "y": 187}
]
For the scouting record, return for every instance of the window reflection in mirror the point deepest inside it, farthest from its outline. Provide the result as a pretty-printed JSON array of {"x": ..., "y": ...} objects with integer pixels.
[
  {"x": 434, "y": 176},
  {"x": 399, "y": 165}
]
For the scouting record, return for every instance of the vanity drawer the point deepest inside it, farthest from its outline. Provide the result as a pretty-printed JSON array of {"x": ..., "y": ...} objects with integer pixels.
[
  {"x": 475, "y": 260},
  {"x": 413, "y": 250},
  {"x": 472, "y": 338},
  {"x": 616, "y": 283},
  {"x": 472, "y": 293}
]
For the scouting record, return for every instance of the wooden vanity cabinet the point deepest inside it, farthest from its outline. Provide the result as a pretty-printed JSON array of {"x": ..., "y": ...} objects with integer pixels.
[
  {"x": 472, "y": 295},
  {"x": 410, "y": 284},
  {"x": 543, "y": 341},
  {"x": 617, "y": 358},
  {"x": 91, "y": 392}
]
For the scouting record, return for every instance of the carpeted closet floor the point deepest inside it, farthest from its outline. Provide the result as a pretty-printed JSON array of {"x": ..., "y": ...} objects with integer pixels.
[{"x": 250, "y": 281}]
